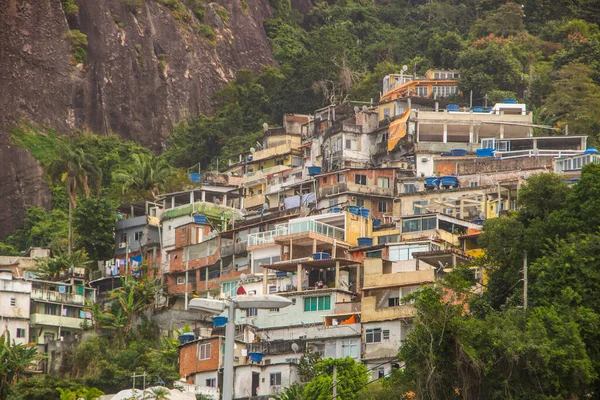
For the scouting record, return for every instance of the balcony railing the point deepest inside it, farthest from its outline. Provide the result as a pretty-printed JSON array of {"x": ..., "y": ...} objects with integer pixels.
[
  {"x": 57, "y": 297},
  {"x": 294, "y": 227},
  {"x": 56, "y": 320}
]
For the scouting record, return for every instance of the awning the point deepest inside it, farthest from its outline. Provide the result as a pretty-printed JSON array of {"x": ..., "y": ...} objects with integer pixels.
[{"x": 397, "y": 130}]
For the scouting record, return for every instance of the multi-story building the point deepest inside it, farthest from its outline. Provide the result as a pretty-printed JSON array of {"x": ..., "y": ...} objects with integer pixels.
[{"x": 14, "y": 307}]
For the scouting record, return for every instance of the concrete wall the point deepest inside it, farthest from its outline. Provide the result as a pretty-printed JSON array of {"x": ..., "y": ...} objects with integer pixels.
[
  {"x": 243, "y": 379},
  {"x": 387, "y": 347}
]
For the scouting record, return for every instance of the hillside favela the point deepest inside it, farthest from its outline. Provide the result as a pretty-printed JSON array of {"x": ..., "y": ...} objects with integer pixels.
[{"x": 299, "y": 200}]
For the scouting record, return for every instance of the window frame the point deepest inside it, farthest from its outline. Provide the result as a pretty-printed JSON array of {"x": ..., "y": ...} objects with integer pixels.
[
  {"x": 275, "y": 379},
  {"x": 204, "y": 351},
  {"x": 383, "y": 182},
  {"x": 321, "y": 303},
  {"x": 211, "y": 382},
  {"x": 13, "y": 301},
  {"x": 371, "y": 335},
  {"x": 382, "y": 206},
  {"x": 360, "y": 179},
  {"x": 23, "y": 331}
]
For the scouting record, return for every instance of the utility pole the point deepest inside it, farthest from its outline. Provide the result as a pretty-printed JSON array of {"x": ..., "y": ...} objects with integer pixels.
[
  {"x": 485, "y": 99},
  {"x": 525, "y": 279},
  {"x": 187, "y": 262},
  {"x": 470, "y": 99},
  {"x": 335, "y": 382}
]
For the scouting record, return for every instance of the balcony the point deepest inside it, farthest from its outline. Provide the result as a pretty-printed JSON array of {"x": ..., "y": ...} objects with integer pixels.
[
  {"x": 370, "y": 312},
  {"x": 370, "y": 188},
  {"x": 57, "y": 297},
  {"x": 252, "y": 177},
  {"x": 294, "y": 228},
  {"x": 56, "y": 320},
  {"x": 254, "y": 201}
]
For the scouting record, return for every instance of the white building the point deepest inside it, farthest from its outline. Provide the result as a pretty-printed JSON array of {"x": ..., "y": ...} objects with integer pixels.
[{"x": 15, "y": 297}]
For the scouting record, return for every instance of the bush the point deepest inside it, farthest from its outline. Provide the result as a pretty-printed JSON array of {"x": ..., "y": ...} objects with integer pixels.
[
  {"x": 199, "y": 13},
  {"x": 222, "y": 12},
  {"x": 69, "y": 7},
  {"x": 133, "y": 5},
  {"x": 78, "y": 43},
  {"x": 206, "y": 32}
]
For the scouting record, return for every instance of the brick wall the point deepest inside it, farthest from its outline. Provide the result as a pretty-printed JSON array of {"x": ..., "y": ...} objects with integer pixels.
[{"x": 189, "y": 363}]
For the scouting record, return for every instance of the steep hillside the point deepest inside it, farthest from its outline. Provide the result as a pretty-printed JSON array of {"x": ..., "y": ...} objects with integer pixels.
[{"x": 147, "y": 68}]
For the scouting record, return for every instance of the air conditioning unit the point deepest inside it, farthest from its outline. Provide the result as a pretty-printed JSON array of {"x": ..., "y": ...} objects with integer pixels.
[
  {"x": 424, "y": 159},
  {"x": 122, "y": 245}
]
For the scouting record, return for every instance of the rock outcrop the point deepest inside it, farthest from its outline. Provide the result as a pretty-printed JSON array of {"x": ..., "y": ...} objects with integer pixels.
[{"x": 146, "y": 70}]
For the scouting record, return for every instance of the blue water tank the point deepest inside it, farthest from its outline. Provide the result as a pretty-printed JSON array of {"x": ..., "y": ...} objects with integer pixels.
[
  {"x": 478, "y": 109},
  {"x": 448, "y": 181},
  {"x": 485, "y": 152},
  {"x": 281, "y": 274},
  {"x": 509, "y": 101},
  {"x": 452, "y": 107},
  {"x": 335, "y": 209},
  {"x": 219, "y": 321},
  {"x": 365, "y": 241},
  {"x": 432, "y": 181},
  {"x": 376, "y": 223},
  {"x": 321, "y": 256},
  {"x": 256, "y": 356},
  {"x": 314, "y": 171},
  {"x": 364, "y": 212},
  {"x": 200, "y": 219},
  {"x": 458, "y": 152},
  {"x": 591, "y": 150},
  {"x": 354, "y": 210},
  {"x": 195, "y": 177},
  {"x": 185, "y": 338}
]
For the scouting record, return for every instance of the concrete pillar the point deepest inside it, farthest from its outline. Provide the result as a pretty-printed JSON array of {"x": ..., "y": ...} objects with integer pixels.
[
  {"x": 418, "y": 133},
  {"x": 445, "y": 133},
  {"x": 191, "y": 197},
  {"x": 471, "y": 133},
  {"x": 291, "y": 255},
  {"x": 314, "y": 246},
  {"x": 300, "y": 273},
  {"x": 501, "y": 131},
  {"x": 417, "y": 264},
  {"x": 203, "y": 196},
  {"x": 453, "y": 260},
  {"x": 173, "y": 202},
  {"x": 225, "y": 199},
  {"x": 337, "y": 274},
  {"x": 265, "y": 280}
]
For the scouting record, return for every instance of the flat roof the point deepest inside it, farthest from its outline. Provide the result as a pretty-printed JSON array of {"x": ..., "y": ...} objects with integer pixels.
[{"x": 292, "y": 266}]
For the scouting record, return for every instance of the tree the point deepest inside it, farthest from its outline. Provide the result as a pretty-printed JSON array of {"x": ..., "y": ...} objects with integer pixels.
[
  {"x": 160, "y": 393},
  {"x": 351, "y": 377},
  {"x": 144, "y": 178},
  {"x": 77, "y": 170},
  {"x": 94, "y": 223},
  {"x": 490, "y": 67},
  {"x": 52, "y": 268},
  {"x": 575, "y": 101},
  {"x": 504, "y": 22},
  {"x": 542, "y": 195},
  {"x": 15, "y": 360}
]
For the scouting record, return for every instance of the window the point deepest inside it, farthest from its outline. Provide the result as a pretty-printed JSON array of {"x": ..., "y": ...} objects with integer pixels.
[
  {"x": 405, "y": 252},
  {"x": 422, "y": 91},
  {"x": 275, "y": 379},
  {"x": 251, "y": 312},
  {"x": 212, "y": 382},
  {"x": 230, "y": 288},
  {"x": 393, "y": 302},
  {"x": 350, "y": 348},
  {"x": 13, "y": 301},
  {"x": 360, "y": 179},
  {"x": 373, "y": 335},
  {"x": 474, "y": 184},
  {"x": 382, "y": 206},
  {"x": 204, "y": 351},
  {"x": 385, "y": 333},
  {"x": 360, "y": 202},
  {"x": 273, "y": 309},
  {"x": 383, "y": 183},
  {"x": 379, "y": 373},
  {"x": 388, "y": 239},
  {"x": 181, "y": 280},
  {"x": 20, "y": 332},
  {"x": 138, "y": 235},
  {"x": 410, "y": 188},
  {"x": 386, "y": 113},
  {"x": 51, "y": 309},
  {"x": 272, "y": 289},
  {"x": 317, "y": 303},
  {"x": 48, "y": 337},
  {"x": 123, "y": 239},
  {"x": 351, "y": 144},
  {"x": 417, "y": 210},
  {"x": 340, "y": 177},
  {"x": 279, "y": 162}
]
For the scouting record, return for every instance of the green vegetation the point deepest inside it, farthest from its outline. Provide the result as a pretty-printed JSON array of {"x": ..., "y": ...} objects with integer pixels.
[
  {"x": 206, "y": 32},
  {"x": 78, "y": 44},
  {"x": 69, "y": 7},
  {"x": 133, "y": 6},
  {"x": 221, "y": 12},
  {"x": 15, "y": 360}
]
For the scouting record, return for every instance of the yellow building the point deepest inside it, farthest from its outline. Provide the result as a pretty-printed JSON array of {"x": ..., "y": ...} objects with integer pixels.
[{"x": 434, "y": 84}]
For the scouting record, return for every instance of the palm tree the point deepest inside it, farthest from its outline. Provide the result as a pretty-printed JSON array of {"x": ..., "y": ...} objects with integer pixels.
[
  {"x": 160, "y": 393},
  {"x": 77, "y": 170},
  {"x": 15, "y": 360},
  {"x": 51, "y": 268},
  {"x": 147, "y": 175}
]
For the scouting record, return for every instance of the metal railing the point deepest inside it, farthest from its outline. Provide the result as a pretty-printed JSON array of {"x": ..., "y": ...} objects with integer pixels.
[
  {"x": 536, "y": 152},
  {"x": 293, "y": 227}
]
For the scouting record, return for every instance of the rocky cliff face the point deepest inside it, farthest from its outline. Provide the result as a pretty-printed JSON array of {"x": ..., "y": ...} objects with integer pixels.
[{"x": 146, "y": 70}]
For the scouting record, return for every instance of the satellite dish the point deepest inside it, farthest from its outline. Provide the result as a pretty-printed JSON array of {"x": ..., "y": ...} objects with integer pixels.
[
  {"x": 265, "y": 206},
  {"x": 243, "y": 278},
  {"x": 404, "y": 67},
  {"x": 295, "y": 347},
  {"x": 265, "y": 126},
  {"x": 365, "y": 108},
  {"x": 252, "y": 150},
  {"x": 244, "y": 211},
  {"x": 356, "y": 109}
]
